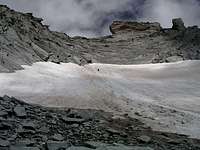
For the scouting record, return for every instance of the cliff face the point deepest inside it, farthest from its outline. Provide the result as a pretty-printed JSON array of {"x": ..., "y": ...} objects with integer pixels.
[{"x": 25, "y": 40}]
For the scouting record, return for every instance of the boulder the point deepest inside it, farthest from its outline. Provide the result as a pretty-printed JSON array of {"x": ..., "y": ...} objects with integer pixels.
[
  {"x": 144, "y": 139},
  {"x": 174, "y": 59},
  {"x": 57, "y": 137},
  {"x": 4, "y": 143},
  {"x": 20, "y": 111}
]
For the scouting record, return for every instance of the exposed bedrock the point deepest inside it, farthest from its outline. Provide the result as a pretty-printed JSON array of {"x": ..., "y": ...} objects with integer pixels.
[{"x": 25, "y": 40}]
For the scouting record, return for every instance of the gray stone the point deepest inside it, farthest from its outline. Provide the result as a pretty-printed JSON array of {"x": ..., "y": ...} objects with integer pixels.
[
  {"x": 57, "y": 137},
  {"x": 54, "y": 145},
  {"x": 78, "y": 148},
  {"x": 144, "y": 139},
  {"x": 44, "y": 129},
  {"x": 4, "y": 143},
  {"x": 29, "y": 125},
  {"x": 174, "y": 59},
  {"x": 113, "y": 131},
  {"x": 3, "y": 113},
  {"x": 72, "y": 120},
  {"x": 122, "y": 147},
  {"x": 20, "y": 111},
  {"x": 25, "y": 143},
  {"x": 6, "y": 98}
]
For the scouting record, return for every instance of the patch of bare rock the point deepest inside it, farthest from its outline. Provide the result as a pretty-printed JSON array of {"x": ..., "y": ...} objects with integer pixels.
[{"x": 30, "y": 127}]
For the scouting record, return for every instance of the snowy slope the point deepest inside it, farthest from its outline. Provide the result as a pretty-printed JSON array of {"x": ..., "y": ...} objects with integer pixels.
[{"x": 167, "y": 96}]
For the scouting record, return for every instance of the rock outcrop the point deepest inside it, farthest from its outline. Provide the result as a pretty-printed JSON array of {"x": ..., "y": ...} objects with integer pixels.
[
  {"x": 178, "y": 24},
  {"x": 25, "y": 40},
  {"x": 121, "y": 26},
  {"x": 24, "y": 126}
]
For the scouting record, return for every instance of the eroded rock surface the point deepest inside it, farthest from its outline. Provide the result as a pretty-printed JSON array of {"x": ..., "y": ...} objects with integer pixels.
[{"x": 25, "y": 40}]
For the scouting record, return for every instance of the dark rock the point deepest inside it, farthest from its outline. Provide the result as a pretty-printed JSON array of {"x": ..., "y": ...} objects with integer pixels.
[
  {"x": 138, "y": 114},
  {"x": 4, "y": 143},
  {"x": 55, "y": 60},
  {"x": 44, "y": 129},
  {"x": 20, "y": 111},
  {"x": 6, "y": 98},
  {"x": 72, "y": 120},
  {"x": 144, "y": 139},
  {"x": 3, "y": 113},
  {"x": 5, "y": 126},
  {"x": 29, "y": 125},
  {"x": 25, "y": 143},
  {"x": 174, "y": 141},
  {"x": 112, "y": 131},
  {"x": 178, "y": 24}
]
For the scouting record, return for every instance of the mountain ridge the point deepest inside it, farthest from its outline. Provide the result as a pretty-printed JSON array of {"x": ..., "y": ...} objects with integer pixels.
[{"x": 25, "y": 40}]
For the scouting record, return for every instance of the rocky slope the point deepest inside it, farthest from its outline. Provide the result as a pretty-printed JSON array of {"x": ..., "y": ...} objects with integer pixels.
[
  {"x": 25, "y": 40},
  {"x": 32, "y": 127}
]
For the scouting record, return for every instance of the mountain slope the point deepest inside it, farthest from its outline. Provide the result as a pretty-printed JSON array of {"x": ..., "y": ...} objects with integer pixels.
[{"x": 25, "y": 40}]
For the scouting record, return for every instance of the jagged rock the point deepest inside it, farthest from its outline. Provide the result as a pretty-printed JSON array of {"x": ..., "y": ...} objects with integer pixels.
[
  {"x": 20, "y": 111},
  {"x": 120, "y": 26},
  {"x": 144, "y": 139},
  {"x": 178, "y": 24}
]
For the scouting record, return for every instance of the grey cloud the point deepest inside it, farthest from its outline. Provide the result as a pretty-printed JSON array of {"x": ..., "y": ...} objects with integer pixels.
[
  {"x": 164, "y": 10},
  {"x": 92, "y": 17}
]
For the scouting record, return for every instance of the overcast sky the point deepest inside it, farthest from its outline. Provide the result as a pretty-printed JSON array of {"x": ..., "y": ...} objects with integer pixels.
[{"x": 92, "y": 17}]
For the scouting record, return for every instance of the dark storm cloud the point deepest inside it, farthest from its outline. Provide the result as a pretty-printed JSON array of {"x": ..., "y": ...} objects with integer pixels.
[{"x": 92, "y": 17}]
